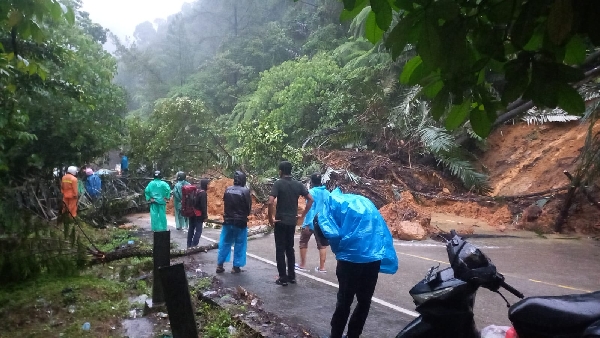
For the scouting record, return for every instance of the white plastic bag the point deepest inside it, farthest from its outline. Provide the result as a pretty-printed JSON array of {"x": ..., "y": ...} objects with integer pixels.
[{"x": 494, "y": 331}]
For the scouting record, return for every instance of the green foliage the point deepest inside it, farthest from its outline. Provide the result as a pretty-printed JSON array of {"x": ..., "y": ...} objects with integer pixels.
[
  {"x": 31, "y": 247},
  {"x": 412, "y": 120},
  {"x": 57, "y": 107},
  {"x": 303, "y": 95},
  {"x": 180, "y": 134},
  {"x": 217, "y": 321},
  {"x": 537, "y": 45},
  {"x": 263, "y": 145}
]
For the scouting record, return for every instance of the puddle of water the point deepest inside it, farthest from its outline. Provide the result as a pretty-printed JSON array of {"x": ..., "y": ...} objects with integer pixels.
[{"x": 138, "y": 328}]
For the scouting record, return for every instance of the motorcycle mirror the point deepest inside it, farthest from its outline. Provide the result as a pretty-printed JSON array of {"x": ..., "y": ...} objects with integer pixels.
[{"x": 443, "y": 238}]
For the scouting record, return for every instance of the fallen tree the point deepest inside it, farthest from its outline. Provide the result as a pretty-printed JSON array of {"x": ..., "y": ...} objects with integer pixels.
[{"x": 100, "y": 257}]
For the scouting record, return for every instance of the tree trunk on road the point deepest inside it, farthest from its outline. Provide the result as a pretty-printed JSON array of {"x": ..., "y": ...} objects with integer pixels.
[{"x": 102, "y": 257}]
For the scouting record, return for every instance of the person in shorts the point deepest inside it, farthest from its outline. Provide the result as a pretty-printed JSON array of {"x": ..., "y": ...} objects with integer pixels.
[{"x": 320, "y": 194}]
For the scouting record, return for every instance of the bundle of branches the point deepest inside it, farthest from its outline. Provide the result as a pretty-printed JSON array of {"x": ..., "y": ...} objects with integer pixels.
[
  {"x": 38, "y": 195},
  {"x": 378, "y": 191},
  {"x": 118, "y": 197}
]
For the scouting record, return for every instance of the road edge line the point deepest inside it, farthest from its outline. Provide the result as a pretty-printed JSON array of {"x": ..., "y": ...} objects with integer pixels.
[{"x": 373, "y": 299}]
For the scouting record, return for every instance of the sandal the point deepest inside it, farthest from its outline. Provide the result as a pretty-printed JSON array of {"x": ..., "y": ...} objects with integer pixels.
[
  {"x": 236, "y": 270},
  {"x": 319, "y": 270},
  {"x": 220, "y": 269}
]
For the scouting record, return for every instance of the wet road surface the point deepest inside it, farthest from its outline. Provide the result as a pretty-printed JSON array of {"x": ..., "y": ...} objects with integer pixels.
[{"x": 535, "y": 266}]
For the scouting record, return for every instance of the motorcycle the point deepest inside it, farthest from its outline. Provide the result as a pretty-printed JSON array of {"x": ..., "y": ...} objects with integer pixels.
[{"x": 445, "y": 300}]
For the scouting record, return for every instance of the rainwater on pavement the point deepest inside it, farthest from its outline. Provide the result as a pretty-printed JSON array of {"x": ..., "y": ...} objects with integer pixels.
[{"x": 535, "y": 265}]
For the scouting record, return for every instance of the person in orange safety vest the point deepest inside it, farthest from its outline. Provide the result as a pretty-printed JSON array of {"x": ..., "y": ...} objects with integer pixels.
[{"x": 69, "y": 189}]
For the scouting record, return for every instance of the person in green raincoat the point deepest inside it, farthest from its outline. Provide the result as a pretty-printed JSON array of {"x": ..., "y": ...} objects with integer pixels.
[
  {"x": 181, "y": 222},
  {"x": 158, "y": 193}
]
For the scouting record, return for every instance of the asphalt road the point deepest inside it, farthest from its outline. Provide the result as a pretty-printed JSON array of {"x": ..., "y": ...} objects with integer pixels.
[{"x": 535, "y": 266}]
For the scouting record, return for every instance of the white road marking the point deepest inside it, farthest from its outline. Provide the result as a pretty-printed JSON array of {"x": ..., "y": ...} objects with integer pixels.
[{"x": 374, "y": 299}]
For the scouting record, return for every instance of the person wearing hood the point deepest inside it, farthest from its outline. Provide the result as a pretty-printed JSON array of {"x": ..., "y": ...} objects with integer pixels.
[
  {"x": 363, "y": 247},
  {"x": 181, "y": 222},
  {"x": 93, "y": 184},
  {"x": 196, "y": 222},
  {"x": 319, "y": 194},
  {"x": 158, "y": 193},
  {"x": 69, "y": 187},
  {"x": 235, "y": 224}
]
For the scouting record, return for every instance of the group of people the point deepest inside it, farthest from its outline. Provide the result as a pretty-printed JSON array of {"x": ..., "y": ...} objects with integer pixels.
[
  {"x": 354, "y": 229},
  {"x": 69, "y": 187},
  {"x": 158, "y": 193},
  {"x": 350, "y": 224}
]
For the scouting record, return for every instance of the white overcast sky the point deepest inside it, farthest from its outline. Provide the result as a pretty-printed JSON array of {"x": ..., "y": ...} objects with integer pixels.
[{"x": 121, "y": 16}]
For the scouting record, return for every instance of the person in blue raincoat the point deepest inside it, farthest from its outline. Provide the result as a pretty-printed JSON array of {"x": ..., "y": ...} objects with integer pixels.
[
  {"x": 238, "y": 204},
  {"x": 93, "y": 184},
  {"x": 158, "y": 193},
  {"x": 363, "y": 246},
  {"x": 124, "y": 165},
  {"x": 319, "y": 194},
  {"x": 181, "y": 222}
]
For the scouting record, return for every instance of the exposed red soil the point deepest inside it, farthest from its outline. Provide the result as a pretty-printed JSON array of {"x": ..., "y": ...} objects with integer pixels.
[
  {"x": 520, "y": 159},
  {"x": 525, "y": 158}
]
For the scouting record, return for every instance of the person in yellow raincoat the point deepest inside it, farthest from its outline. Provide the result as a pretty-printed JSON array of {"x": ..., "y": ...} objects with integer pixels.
[
  {"x": 69, "y": 189},
  {"x": 158, "y": 193}
]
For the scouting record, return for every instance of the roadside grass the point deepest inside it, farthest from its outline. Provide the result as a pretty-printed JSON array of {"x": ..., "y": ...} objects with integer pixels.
[
  {"x": 214, "y": 321},
  {"x": 59, "y": 306}
]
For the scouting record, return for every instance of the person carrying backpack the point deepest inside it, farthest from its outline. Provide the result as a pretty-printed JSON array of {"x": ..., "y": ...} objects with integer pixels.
[
  {"x": 200, "y": 214},
  {"x": 238, "y": 204},
  {"x": 181, "y": 222}
]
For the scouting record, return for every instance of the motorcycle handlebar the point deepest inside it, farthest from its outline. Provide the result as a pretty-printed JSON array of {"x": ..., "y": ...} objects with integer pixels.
[{"x": 511, "y": 289}]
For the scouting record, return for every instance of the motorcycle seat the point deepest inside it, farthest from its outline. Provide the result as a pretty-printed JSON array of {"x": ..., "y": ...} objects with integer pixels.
[{"x": 556, "y": 314}]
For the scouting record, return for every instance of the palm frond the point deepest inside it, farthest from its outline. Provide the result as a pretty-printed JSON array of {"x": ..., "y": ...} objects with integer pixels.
[
  {"x": 591, "y": 96},
  {"x": 537, "y": 116},
  {"x": 464, "y": 170},
  {"x": 351, "y": 50},
  {"x": 411, "y": 117},
  {"x": 373, "y": 57},
  {"x": 436, "y": 140},
  {"x": 358, "y": 23},
  {"x": 474, "y": 136}
]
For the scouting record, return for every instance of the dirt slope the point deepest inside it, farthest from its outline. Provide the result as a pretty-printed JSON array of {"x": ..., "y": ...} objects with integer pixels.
[
  {"x": 528, "y": 158},
  {"x": 525, "y": 159}
]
